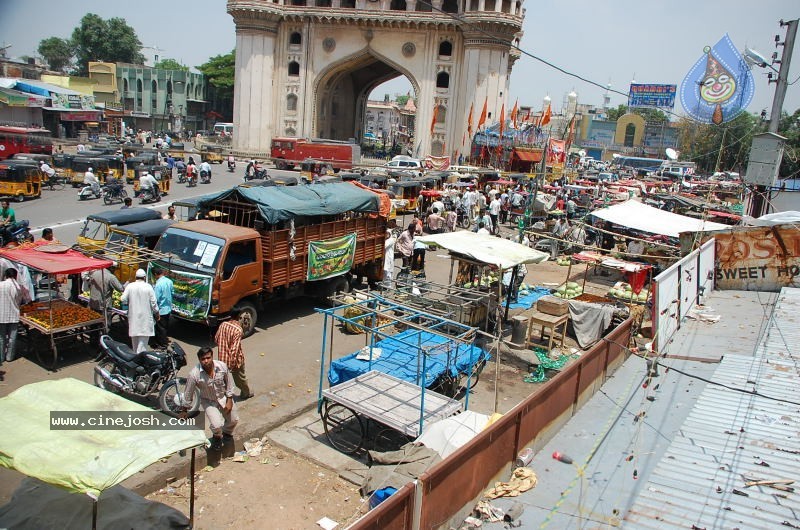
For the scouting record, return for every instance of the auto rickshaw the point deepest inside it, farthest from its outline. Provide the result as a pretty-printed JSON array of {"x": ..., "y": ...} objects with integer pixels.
[
  {"x": 35, "y": 157},
  {"x": 176, "y": 150},
  {"x": 284, "y": 180},
  {"x": 211, "y": 154},
  {"x": 162, "y": 174},
  {"x": 406, "y": 193},
  {"x": 20, "y": 180},
  {"x": 374, "y": 181},
  {"x": 128, "y": 246},
  {"x": 116, "y": 165},
  {"x": 310, "y": 168},
  {"x": 132, "y": 164},
  {"x": 97, "y": 228},
  {"x": 62, "y": 163},
  {"x": 80, "y": 165}
]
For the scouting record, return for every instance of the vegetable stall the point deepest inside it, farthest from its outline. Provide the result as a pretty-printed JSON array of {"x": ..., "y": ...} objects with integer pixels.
[{"x": 48, "y": 323}]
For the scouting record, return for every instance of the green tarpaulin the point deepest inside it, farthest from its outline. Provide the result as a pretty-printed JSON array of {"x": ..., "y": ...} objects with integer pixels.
[
  {"x": 80, "y": 461},
  {"x": 281, "y": 203}
]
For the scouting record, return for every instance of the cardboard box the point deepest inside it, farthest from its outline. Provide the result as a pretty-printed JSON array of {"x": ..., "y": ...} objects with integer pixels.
[{"x": 552, "y": 305}]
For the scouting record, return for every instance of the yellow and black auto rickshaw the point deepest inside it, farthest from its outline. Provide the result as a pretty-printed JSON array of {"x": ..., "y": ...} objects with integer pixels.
[
  {"x": 62, "y": 163},
  {"x": 116, "y": 166},
  {"x": 97, "y": 228},
  {"x": 81, "y": 164},
  {"x": 211, "y": 154},
  {"x": 406, "y": 193},
  {"x": 20, "y": 180},
  {"x": 162, "y": 174},
  {"x": 311, "y": 169},
  {"x": 129, "y": 244},
  {"x": 176, "y": 150},
  {"x": 136, "y": 164}
]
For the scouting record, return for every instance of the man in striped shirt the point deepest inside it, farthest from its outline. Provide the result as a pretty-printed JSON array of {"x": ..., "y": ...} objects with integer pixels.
[
  {"x": 229, "y": 342},
  {"x": 214, "y": 382}
]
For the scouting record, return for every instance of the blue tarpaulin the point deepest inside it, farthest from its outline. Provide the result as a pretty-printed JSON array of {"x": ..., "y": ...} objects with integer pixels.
[
  {"x": 281, "y": 203},
  {"x": 401, "y": 357},
  {"x": 527, "y": 301}
]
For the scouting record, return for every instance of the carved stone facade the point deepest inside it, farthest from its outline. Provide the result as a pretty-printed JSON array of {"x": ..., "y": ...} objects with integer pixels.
[{"x": 306, "y": 67}]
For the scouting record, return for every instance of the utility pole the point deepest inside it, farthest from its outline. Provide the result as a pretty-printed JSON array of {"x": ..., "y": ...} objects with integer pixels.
[{"x": 758, "y": 202}]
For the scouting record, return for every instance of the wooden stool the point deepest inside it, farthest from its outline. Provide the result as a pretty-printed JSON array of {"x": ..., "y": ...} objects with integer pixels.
[{"x": 551, "y": 323}]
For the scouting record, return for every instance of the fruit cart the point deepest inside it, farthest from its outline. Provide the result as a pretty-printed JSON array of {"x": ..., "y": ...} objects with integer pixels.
[{"x": 50, "y": 323}]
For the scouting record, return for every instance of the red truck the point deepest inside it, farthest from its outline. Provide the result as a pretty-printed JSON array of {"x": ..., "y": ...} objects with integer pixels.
[
  {"x": 262, "y": 245},
  {"x": 286, "y": 153}
]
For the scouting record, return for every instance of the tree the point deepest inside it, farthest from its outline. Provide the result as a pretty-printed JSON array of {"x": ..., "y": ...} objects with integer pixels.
[
  {"x": 789, "y": 128},
  {"x": 57, "y": 53},
  {"x": 219, "y": 71},
  {"x": 649, "y": 115},
  {"x": 170, "y": 64},
  {"x": 402, "y": 100},
  {"x": 111, "y": 40},
  {"x": 727, "y": 144}
]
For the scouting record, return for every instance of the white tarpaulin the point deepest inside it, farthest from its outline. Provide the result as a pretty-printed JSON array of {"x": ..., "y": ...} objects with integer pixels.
[
  {"x": 638, "y": 216},
  {"x": 484, "y": 248},
  {"x": 447, "y": 435},
  {"x": 772, "y": 219}
]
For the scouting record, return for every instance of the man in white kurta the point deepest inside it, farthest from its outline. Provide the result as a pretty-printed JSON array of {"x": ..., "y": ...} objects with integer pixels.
[{"x": 142, "y": 311}]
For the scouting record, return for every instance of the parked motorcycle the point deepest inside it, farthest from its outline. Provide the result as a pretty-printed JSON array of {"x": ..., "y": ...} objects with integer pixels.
[
  {"x": 205, "y": 177},
  {"x": 15, "y": 233},
  {"x": 120, "y": 370},
  {"x": 112, "y": 195},
  {"x": 93, "y": 191},
  {"x": 148, "y": 195}
]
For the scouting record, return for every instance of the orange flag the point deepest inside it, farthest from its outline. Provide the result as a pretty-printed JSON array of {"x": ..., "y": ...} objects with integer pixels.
[
  {"x": 546, "y": 116},
  {"x": 469, "y": 120},
  {"x": 482, "y": 119},
  {"x": 528, "y": 116},
  {"x": 514, "y": 114},
  {"x": 502, "y": 120},
  {"x": 435, "y": 113}
]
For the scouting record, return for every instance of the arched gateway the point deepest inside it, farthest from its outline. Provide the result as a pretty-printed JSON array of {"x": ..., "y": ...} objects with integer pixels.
[{"x": 306, "y": 67}]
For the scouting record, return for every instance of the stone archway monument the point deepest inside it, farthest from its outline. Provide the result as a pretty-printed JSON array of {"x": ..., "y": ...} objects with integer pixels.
[{"x": 306, "y": 67}]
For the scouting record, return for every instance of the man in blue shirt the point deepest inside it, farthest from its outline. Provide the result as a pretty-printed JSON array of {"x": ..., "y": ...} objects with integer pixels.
[{"x": 163, "y": 289}]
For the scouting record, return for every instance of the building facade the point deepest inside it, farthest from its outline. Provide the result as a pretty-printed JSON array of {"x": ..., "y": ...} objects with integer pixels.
[{"x": 307, "y": 67}]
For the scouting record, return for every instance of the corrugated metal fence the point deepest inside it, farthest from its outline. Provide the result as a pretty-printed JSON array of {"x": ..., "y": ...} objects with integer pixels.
[{"x": 458, "y": 481}]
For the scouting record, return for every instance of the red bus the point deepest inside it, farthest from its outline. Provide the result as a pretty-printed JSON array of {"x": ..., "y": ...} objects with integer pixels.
[
  {"x": 15, "y": 140},
  {"x": 286, "y": 153}
]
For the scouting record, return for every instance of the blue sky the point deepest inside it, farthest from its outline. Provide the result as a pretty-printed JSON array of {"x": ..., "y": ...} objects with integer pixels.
[{"x": 611, "y": 41}]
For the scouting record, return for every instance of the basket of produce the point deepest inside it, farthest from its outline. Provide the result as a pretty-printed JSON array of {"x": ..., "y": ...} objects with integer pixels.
[
  {"x": 568, "y": 290},
  {"x": 622, "y": 291}
]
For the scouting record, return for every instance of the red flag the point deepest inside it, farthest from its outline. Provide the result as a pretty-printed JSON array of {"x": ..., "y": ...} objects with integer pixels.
[
  {"x": 514, "y": 114},
  {"x": 469, "y": 120},
  {"x": 528, "y": 116},
  {"x": 546, "y": 116},
  {"x": 502, "y": 120},
  {"x": 435, "y": 113},
  {"x": 482, "y": 119}
]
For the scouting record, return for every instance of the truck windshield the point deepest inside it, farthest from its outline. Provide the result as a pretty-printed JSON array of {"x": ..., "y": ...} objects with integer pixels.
[{"x": 192, "y": 248}]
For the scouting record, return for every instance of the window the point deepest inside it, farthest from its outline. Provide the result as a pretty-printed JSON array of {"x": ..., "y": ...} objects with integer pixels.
[
  {"x": 125, "y": 88},
  {"x": 239, "y": 253},
  {"x": 489, "y": 5},
  {"x": 630, "y": 133},
  {"x": 323, "y": 3},
  {"x": 450, "y": 6},
  {"x": 443, "y": 80},
  {"x": 398, "y": 5},
  {"x": 349, "y": 3},
  {"x": 153, "y": 96},
  {"x": 446, "y": 48},
  {"x": 506, "y": 6},
  {"x": 294, "y": 68},
  {"x": 436, "y": 148},
  {"x": 290, "y": 131},
  {"x": 474, "y": 5},
  {"x": 139, "y": 89},
  {"x": 298, "y": 2},
  {"x": 518, "y": 10},
  {"x": 291, "y": 102},
  {"x": 441, "y": 114},
  {"x": 295, "y": 38}
]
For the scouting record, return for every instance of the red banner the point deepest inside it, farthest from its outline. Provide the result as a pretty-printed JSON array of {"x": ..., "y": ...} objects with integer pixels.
[{"x": 556, "y": 152}]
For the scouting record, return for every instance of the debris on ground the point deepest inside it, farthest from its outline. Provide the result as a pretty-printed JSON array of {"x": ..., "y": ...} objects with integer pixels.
[{"x": 522, "y": 479}]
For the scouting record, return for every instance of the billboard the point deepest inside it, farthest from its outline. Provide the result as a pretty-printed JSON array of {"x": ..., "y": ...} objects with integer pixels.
[
  {"x": 719, "y": 86},
  {"x": 653, "y": 96}
]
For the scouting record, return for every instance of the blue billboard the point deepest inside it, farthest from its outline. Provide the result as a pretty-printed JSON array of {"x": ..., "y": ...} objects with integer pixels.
[{"x": 655, "y": 96}]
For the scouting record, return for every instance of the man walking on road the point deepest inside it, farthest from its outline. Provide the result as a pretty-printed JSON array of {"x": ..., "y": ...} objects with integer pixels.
[
  {"x": 229, "y": 342},
  {"x": 163, "y": 290},
  {"x": 12, "y": 295},
  {"x": 214, "y": 382},
  {"x": 141, "y": 300}
]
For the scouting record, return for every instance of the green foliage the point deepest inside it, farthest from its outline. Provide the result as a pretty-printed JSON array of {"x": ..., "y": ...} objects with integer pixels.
[
  {"x": 790, "y": 129},
  {"x": 112, "y": 40},
  {"x": 701, "y": 142},
  {"x": 219, "y": 72},
  {"x": 402, "y": 100},
  {"x": 57, "y": 53},
  {"x": 170, "y": 64}
]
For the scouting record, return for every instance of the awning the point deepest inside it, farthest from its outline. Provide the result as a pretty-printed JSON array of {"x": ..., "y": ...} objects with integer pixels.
[
  {"x": 483, "y": 248},
  {"x": 69, "y": 262},
  {"x": 15, "y": 98},
  {"x": 638, "y": 216},
  {"x": 80, "y": 461},
  {"x": 528, "y": 156}
]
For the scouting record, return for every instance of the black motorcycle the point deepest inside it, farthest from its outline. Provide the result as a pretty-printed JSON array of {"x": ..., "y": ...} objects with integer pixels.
[
  {"x": 15, "y": 233},
  {"x": 148, "y": 195},
  {"x": 181, "y": 175},
  {"x": 205, "y": 177},
  {"x": 120, "y": 370},
  {"x": 113, "y": 194},
  {"x": 462, "y": 217}
]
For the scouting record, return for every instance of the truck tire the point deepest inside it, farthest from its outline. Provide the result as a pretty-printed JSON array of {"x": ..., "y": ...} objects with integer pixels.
[
  {"x": 248, "y": 318},
  {"x": 337, "y": 285}
]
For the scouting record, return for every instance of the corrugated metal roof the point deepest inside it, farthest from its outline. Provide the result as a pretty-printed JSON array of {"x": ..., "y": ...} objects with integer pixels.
[{"x": 730, "y": 438}]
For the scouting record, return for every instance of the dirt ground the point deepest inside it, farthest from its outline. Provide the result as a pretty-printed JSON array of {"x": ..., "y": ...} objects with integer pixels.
[{"x": 276, "y": 489}]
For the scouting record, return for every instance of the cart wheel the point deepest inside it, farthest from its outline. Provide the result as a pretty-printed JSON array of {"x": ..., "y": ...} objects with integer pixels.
[
  {"x": 477, "y": 369},
  {"x": 343, "y": 427},
  {"x": 109, "y": 367},
  {"x": 388, "y": 439}
]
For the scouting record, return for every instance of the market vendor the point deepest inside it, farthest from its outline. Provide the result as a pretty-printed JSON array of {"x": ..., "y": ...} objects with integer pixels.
[{"x": 102, "y": 284}]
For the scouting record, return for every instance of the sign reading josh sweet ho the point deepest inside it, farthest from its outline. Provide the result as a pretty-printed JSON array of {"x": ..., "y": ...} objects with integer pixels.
[{"x": 756, "y": 258}]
